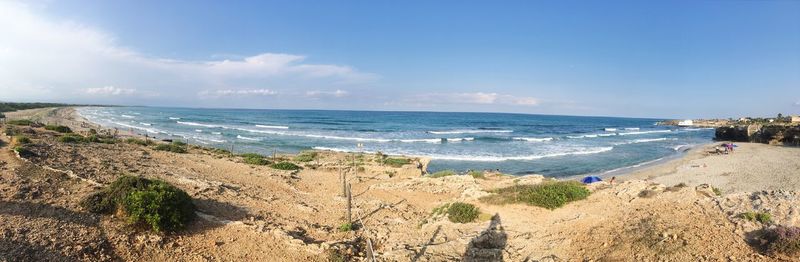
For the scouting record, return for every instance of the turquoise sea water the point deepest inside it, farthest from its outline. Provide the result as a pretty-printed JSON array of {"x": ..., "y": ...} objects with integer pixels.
[{"x": 514, "y": 143}]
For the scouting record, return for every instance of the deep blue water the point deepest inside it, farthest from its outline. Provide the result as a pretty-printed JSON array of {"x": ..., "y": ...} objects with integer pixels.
[{"x": 513, "y": 143}]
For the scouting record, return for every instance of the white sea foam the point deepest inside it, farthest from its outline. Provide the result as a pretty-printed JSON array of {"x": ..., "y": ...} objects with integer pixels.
[
  {"x": 273, "y": 127},
  {"x": 149, "y": 130},
  {"x": 584, "y": 151},
  {"x": 247, "y": 138},
  {"x": 678, "y": 147},
  {"x": 632, "y": 128},
  {"x": 609, "y": 129},
  {"x": 534, "y": 139},
  {"x": 199, "y": 124},
  {"x": 127, "y": 116},
  {"x": 593, "y": 135},
  {"x": 424, "y": 140},
  {"x": 198, "y": 130},
  {"x": 644, "y": 132},
  {"x": 460, "y": 139},
  {"x": 174, "y": 118},
  {"x": 217, "y": 133},
  {"x": 145, "y": 124},
  {"x": 637, "y": 141},
  {"x": 475, "y": 131}
]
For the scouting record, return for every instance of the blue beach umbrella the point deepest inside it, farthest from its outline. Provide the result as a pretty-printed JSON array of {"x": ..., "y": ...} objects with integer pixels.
[{"x": 590, "y": 179}]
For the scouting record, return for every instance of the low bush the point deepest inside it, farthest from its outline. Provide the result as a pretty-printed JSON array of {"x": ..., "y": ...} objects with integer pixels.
[
  {"x": 100, "y": 139},
  {"x": 140, "y": 142},
  {"x": 19, "y": 122},
  {"x": 647, "y": 193},
  {"x": 458, "y": 212},
  {"x": 254, "y": 159},
  {"x": 550, "y": 195},
  {"x": 285, "y": 166},
  {"x": 9, "y": 131},
  {"x": 346, "y": 227},
  {"x": 175, "y": 147},
  {"x": 23, "y": 151},
  {"x": 71, "y": 138},
  {"x": 22, "y": 139},
  {"x": 60, "y": 129},
  {"x": 306, "y": 156},
  {"x": 477, "y": 174},
  {"x": 154, "y": 203},
  {"x": 717, "y": 191},
  {"x": 396, "y": 162},
  {"x": 783, "y": 240},
  {"x": 462, "y": 212},
  {"x": 442, "y": 173}
]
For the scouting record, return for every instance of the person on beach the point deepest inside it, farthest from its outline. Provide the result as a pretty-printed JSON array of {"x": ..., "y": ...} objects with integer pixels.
[{"x": 612, "y": 180}]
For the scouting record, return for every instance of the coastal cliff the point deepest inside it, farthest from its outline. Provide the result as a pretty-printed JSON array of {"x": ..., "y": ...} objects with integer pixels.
[{"x": 770, "y": 134}]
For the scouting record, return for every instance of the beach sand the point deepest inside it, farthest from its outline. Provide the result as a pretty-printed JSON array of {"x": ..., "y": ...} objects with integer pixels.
[{"x": 255, "y": 213}]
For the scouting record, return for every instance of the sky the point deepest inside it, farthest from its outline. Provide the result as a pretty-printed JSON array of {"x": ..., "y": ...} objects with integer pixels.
[{"x": 664, "y": 59}]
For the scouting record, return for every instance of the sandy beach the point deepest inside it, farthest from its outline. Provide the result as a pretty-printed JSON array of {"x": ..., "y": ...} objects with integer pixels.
[{"x": 667, "y": 212}]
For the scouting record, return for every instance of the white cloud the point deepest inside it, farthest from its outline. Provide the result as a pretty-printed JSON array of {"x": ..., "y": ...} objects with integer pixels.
[
  {"x": 480, "y": 98},
  {"x": 110, "y": 90},
  {"x": 43, "y": 59},
  {"x": 240, "y": 92},
  {"x": 317, "y": 93}
]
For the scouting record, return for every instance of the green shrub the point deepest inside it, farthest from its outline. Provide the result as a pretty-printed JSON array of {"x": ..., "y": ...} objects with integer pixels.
[
  {"x": 306, "y": 156},
  {"x": 477, "y": 174},
  {"x": 140, "y": 142},
  {"x": 459, "y": 212},
  {"x": 23, "y": 139},
  {"x": 764, "y": 218},
  {"x": 71, "y": 138},
  {"x": 155, "y": 203},
  {"x": 60, "y": 129},
  {"x": 550, "y": 195},
  {"x": 9, "y": 131},
  {"x": 346, "y": 227},
  {"x": 254, "y": 159},
  {"x": 19, "y": 122},
  {"x": 717, "y": 191},
  {"x": 161, "y": 206},
  {"x": 396, "y": 162},
  {"x": 23, "y": 151},
  {"x": 175, "y": 147},
  {"x": 783, "y": 240},
  {"x": 99, "y": 139},
  {"x": 442, "y": 173},
  {"x": 285, "y": 166}
]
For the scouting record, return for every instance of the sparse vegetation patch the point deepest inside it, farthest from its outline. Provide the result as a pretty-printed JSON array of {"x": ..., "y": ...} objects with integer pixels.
[
  {"x": 306, "y": 156},
  {"x": 443, "y": 173},
  {"x": 175, "y": 147},
  {"x": 396, "y": 162},
  {"x": 550, "y": 195},
  {"x": 458, "y": 212},
  {"x": 60, "y": 129},
  {"x": 285, "y": 166},
  {"x": 19, "y": 122},
  {"x": 254, "y": 159},
  {"x": 783, "y": 240}
]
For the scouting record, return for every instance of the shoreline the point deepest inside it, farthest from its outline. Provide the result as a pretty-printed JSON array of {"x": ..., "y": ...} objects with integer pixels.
[{"x": 72, "y": 116}]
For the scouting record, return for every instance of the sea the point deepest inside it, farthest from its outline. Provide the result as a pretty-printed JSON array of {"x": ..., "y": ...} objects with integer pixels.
[{"x": 519, "y": 144}]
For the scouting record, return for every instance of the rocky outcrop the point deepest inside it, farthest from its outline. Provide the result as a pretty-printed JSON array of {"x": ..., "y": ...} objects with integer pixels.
[{"x": 771, "y": 134}]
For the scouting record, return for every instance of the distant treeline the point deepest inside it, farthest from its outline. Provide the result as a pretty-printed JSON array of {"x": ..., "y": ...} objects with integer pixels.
[{"x": 8, "y": 107}]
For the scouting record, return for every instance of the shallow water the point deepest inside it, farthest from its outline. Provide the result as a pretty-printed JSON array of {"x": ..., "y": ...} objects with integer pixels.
[{"x": 514, "y": 143}]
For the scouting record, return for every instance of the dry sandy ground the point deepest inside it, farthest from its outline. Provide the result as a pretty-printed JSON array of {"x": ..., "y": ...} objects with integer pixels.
[
  {"x": 751, "y": 167},
  {"x": 254, "y": 213}
]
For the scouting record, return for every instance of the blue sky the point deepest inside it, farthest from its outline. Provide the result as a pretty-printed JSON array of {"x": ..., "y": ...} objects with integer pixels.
[{"x": 619, "y": 58}]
